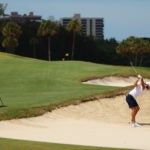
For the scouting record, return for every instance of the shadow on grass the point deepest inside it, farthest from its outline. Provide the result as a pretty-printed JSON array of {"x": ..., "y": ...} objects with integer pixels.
[{"x": 2, "y": 106}]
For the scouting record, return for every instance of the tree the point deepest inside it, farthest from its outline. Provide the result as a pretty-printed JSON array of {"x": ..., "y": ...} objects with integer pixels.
[
  {"x": 29, "y": 29},
  {"x": 33, "y": 42},
  {"x": 11, "y": 32},
  {"x": 74, "y": 26},
  {"x": 10, "y": 43},
  {"x": 2, "y": 9},
  {"x": 134, "y": 48},
  {"x": 48, "y": 29}
]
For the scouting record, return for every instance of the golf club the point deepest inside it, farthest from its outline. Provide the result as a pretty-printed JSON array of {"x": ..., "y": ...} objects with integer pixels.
[
  {"x": 133, "y": 67},
  {"x": 138, "y": 75}
]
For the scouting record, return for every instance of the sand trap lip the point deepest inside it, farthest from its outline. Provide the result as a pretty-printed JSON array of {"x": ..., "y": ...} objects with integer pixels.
[
  {"x": 118, "y": 81},
  {"x": 103, "y": 122}
]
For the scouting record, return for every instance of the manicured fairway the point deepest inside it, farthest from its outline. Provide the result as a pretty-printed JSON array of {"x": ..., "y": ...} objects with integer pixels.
[{"x": 30, "y": 87}]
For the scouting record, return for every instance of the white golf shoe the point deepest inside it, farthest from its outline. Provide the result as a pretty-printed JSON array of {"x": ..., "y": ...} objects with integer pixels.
[{"x": 135, "y": 124}]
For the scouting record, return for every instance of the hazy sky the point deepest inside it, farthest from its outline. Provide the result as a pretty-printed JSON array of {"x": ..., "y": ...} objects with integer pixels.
[{"x": 122, "y": 18}]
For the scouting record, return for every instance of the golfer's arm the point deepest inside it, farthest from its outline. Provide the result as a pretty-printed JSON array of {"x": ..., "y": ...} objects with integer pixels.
[
  {"x": 135, "y": 84},
  {"x": 142, "y": 83}
]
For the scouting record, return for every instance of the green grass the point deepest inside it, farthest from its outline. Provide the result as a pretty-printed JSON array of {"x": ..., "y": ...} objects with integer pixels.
[
  {"x": 9, "y": 144},
  {"x": 30, "y": 87}
]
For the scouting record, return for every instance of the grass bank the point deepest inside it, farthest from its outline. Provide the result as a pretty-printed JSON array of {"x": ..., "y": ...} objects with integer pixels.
[{"x": 30, "y": 87}]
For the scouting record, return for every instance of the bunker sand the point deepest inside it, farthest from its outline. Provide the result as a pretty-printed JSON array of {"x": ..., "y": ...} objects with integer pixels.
[{"x": 103, "y": 122}]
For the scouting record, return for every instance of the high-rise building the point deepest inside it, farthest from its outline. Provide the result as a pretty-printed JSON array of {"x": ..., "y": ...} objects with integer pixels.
[{"x": 90, "y": 26}]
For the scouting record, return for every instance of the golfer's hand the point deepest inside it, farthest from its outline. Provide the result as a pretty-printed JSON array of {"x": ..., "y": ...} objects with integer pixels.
[{"x": 139, "y": 76}]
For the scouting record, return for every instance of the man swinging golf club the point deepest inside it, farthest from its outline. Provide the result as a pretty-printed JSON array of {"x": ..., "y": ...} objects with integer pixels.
[{"x": 139, "y": 88}]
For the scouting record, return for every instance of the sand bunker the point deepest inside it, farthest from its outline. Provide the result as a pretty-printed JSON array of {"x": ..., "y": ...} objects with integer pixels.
[
  {"x": 113, "y": 81},
  {"x": 103, "y": 122}
]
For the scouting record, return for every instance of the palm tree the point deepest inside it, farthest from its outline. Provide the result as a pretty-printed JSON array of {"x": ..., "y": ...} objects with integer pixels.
[
  {"x": 48, "y": 29},
  {"x": 11, "y": 32},
  {"x": 74, "y": 26},
  {"x": 10, "y": 43},
  {"x": 2, "y": 9}
]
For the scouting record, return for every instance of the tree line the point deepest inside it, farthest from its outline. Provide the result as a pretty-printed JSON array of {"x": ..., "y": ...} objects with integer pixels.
[{"x": 51, "y": 41}]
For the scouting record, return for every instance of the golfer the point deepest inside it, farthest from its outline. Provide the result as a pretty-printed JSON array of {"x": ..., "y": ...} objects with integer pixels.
[{"x": 139, "y": 88}]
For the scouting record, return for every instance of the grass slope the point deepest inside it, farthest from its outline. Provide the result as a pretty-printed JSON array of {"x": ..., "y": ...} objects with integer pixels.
[
  {"x": 8, "y": 144},
  {"x": 31, "y": 87}
]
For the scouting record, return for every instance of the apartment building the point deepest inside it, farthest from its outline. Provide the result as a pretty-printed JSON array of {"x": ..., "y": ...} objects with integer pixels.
[
  {"x": 15, "y": 16},
  {"x": 90, "y": 26}
]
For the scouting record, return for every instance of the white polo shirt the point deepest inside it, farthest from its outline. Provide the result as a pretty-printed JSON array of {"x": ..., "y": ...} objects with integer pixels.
[{"x": 138, "y": 90}]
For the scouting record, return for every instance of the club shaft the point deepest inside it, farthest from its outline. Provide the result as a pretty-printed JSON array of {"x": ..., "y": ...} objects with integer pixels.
[
  {"x": 133, "y": 67},
  {"x": 134, "y": 70},
  {"x": 1, "y": 101}
]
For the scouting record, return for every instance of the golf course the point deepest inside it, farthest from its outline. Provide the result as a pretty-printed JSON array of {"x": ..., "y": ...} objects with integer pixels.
[{"x": 49, "y": 105}]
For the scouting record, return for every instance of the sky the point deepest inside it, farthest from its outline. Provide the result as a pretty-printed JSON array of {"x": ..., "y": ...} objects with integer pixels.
[{"x": 122, "y": 18}]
